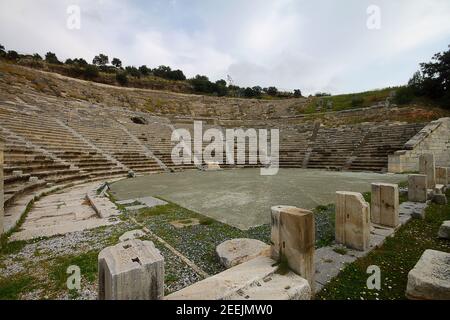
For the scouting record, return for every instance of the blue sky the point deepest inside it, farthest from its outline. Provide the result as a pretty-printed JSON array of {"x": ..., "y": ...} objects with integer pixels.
[{"x": 312, "y": 45}]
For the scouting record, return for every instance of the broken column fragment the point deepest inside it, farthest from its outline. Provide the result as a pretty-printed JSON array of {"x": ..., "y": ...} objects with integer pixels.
[
  {"x": 417, "y": 188},
  {"x": 131, "y": 270},
  {"x": 427, "y": 167},
  {"x": 385, "y": 204},
  {"x": 352, "y": 220}
]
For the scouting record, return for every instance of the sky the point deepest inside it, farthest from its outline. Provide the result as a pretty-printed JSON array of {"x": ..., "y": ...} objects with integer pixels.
[{"x": 338, "y": 46}]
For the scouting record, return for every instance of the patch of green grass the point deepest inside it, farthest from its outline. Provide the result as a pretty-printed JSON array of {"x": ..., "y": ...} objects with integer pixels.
[
  {"x": 170, "y": 277},
  {"x": 324, "y": 220},
  {"x": 12, "y": 288},
  {"x": 13, "y": 247},
  {"x": 396, "y": 257},
  {"x": 347, "y": 101},
  {"x": 87, "y": 262}
]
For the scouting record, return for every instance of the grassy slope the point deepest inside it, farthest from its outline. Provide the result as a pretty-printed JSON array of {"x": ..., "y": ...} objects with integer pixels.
[
  {"x": 396, "y": 258},
  {"x": 344, "y": 101}
]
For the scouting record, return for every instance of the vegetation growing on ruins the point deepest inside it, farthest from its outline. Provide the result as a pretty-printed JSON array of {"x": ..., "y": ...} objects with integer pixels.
[
  {"x": 161, "y": 77},
  {"x": 396, "y": 257}
]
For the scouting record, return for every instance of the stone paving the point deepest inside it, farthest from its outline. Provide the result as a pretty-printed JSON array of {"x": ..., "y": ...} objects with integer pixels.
[
  {"x": 62, "y": 212},
  {"x": 329, "y": 262},
  {"x": 242, "y": 197}
]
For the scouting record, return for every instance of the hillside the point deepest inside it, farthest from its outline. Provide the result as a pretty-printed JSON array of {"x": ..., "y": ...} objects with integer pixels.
[{"x": 20, "y": 83}]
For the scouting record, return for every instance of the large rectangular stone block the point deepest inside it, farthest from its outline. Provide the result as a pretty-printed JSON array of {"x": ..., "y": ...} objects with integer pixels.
[
  {"x": 429, "y": 279},
  {"x": 441, "y": 176},
  {"x": 417, "y": 188},
  {"x": 352, "y": 220},
  {"x": 257, "y": 279},
  {"x": 297, "y": 239},
  {"x": 427, "y": 167},
  {"x": 131, "y": 270},
  {"x": 384, "y": 204},
  {"x": 275, "y": 231}
]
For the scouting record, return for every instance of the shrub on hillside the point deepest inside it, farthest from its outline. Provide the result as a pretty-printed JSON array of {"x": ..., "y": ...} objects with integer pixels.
[
  {"x": 12, "y": 55},
  {"x": 357, "y": 101},
  {"x": 121, "y": 78},
  {"x": 50, "y": 57},
  {"x": 90, "y": 72},
  {"x": 404, "y": 95}
]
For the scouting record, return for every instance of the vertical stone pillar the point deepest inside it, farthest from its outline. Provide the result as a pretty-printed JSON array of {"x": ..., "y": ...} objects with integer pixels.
[
  {"x": 352, "y": 220},
  {"x": 417, "y": 188},
  {"x": 2, "y": 202},
  {"x": 297, "y": 239},
  {"x": 442, "y": 176},
  {"x": 131, "y": 270},
  {"x": 275, "y": 231},
  {"x": 427, "y": 167},
  {"x": 384, "y": 208}
]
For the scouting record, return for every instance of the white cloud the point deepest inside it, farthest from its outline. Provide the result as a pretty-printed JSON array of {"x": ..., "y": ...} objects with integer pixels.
[{"x": 315, "y": 46}]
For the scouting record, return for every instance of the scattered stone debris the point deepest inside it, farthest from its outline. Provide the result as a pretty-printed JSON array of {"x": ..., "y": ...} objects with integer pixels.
[
  {"x": 236, "y": 251},
  {"x": 133, "y": 234},
  {"x": 444, "y": 230},
  {"x": 430, "y": 278},
  {"x": 179, "y": 224}
]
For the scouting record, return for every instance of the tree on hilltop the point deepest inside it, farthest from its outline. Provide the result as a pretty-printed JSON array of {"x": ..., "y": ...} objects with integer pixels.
[
  {"x": 12, "y": 55},
  {"x": 100, "y": 60},
  {"x": 144, "y": 70},
  {"x": 116, "y": 63},
  {"x": 2, "y": 51},
  {"x": 271, "y": 91},
  {"x": 50, "y": 57}
]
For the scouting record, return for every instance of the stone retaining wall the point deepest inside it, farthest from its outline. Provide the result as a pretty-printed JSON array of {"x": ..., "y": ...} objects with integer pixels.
[{"x": 434, "y": 138}]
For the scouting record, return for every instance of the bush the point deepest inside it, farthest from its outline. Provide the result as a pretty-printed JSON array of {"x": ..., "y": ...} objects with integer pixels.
[
  {"x": 121, "y": 78},
  {"x": 404, "y": 95},
  {"x": 91, "y": 72},
  {"x": 50, "y": 57},
  {"x": 357, "y": 101},
  {"x": 12, "y": 55}
]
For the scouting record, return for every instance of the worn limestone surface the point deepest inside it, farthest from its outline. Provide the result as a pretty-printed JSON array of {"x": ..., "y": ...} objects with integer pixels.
[
  {"x": 297, "y": 241},
  {"x": 417, "y": 188},
  {"x": 444, "y": 230},
  {"x": 430, "y": 277},
  {"x": 237, "y": 251},
  {"x": 242, "y": 197},
  {"x": 275, "y": 224},
  {"x": 427, "y": 167},
  {"x": 62, "y": 212},
  {"x": 131, "y": 270},
  {"x": 384, "y": 204},
  {"x": 352, "y": 220},
  {"x": 133, "y": 234},
  {"x": 329, "y": 261},
  {"x": 433, "y": 138},
  {"x": 255, "y": 279},
  {"x": 442, "y": 176}
]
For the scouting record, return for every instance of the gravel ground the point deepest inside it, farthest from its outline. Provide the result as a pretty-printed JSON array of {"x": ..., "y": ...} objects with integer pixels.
[
  {"x": 28, "y": 267},
  {"x": 199, "y": 242}
]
